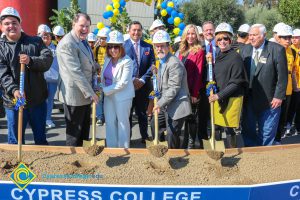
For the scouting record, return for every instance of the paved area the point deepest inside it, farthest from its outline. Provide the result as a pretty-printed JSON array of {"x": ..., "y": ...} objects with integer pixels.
[{"x": 56, "y": 136}]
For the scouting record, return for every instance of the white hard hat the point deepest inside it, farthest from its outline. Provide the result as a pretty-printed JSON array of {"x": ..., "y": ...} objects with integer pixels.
[
  {"x": 245, "y": 28},
  {"x": 224, "y": 27},
  {"x": 155, "y": 24},
  {"x": 278, "y": 26},
  {"x": 104, "y": 32},
  {"x": 126, "y": 36},
  {"x": 200, "y": 30},
  {"x": 43, "y": 28},
  {"x": 10, "y": 11},
  {"x": 161, "y": 36},
  {"x": 59, "y": 31},
  {"x": 91, "y": 37},
  {"x": 177, "y": 39},
  {"x": 296, "y": 32},
  {"x": 115, "y": 37},
  {"x": 285, "y": 30}
]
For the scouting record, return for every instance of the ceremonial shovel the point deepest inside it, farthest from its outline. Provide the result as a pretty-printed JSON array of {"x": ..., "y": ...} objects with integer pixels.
[{"x": 20, "y": 116}]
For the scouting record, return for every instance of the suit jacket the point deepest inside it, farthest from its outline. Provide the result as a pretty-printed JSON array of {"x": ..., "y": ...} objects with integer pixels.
[
  {"x": 147, "y": 59},
  {"x": 122, "y": 87},
  {"x": 76, "y": 67},
  {"x": 270, "y": 77},
  {"x": 174, "y": 89}
]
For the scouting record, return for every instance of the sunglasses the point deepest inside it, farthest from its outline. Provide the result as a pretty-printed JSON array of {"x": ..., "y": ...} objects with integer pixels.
[
  {"x": 224, "y": 38},
  {"x": 113, "y": 46},
  {"x": 286, "y": 37}
]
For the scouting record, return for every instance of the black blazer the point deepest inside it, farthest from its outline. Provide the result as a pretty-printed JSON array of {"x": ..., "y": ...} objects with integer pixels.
[{"x": 271, "y": 74}]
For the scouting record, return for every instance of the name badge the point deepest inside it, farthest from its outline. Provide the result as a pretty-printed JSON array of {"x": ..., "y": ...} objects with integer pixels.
[{"x": 263, "y": 60}]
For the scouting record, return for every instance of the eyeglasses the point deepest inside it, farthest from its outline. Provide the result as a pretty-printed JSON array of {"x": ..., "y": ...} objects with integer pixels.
[
  {"x": 224, "y": 38},
  {"x": 286, "y": 37},
  {"x": 113, "y": 46}
]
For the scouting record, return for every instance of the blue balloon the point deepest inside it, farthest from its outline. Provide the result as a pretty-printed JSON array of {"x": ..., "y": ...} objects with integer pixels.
[
  {"x": 122, "y": 3},
  {"x": 95, "y": 31},
  {"x": 164, "y": 5},
  {"x": 181, "y": 26},
  {"x": 105, "y": 15},
  {"x": 169, "y": 10},
  {"x": 110, "y": 13},
  {"x": 181, "y": 15},
  {"x": 180, "y": 32},
  {"x": 121, "y": 10},
  {"x": 174, "y": 13},
  {"x": 171, "y": 20}
]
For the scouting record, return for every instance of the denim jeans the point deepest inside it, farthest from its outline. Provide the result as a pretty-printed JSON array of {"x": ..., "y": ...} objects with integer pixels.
[
  {"x": 52, "y": 87},
  {"x": 266, "y": 121},
  {"x": 35, "y": 116},
  {"x": 99, "y": 108}
]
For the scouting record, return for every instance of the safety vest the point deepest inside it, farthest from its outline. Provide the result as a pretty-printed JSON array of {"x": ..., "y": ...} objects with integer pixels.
[
  {"x": 291, "y": 59},
  {"x": 297, "y": 65},
  {"x": 99, "y": 53}
]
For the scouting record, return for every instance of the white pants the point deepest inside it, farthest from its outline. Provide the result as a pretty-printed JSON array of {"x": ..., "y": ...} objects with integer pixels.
[{"x": 117, "y": 122}]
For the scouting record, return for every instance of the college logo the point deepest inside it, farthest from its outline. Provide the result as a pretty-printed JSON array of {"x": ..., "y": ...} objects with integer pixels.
[{"x": 22, "y": 176}]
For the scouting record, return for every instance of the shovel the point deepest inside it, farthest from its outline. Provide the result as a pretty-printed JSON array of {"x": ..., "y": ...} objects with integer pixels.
[
  {"x": 156, "y": 148},
  {"x": 93, "y": 147},
  {"x": 215, "y": 149}
]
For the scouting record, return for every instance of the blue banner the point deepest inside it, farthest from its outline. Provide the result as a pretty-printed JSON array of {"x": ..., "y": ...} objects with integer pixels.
[{"x": 64, "y": 191}]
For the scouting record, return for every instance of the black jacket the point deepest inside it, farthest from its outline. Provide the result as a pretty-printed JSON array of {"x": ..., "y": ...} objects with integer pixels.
[
  {"x": 270, "y": 78},
  {"x": 40, "y": 61}
]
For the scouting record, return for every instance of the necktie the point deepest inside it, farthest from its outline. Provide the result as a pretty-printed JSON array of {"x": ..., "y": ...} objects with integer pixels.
[
  {"x": 136, "y": 48},
  {"x": 211, "y": 51},
  {"x": 253, "y": 66},
  {"x": 87, "y": 46}
]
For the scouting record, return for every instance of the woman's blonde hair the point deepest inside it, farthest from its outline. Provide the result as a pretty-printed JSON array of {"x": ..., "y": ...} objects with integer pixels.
[
  {"x": 184, "y": 48},
  {"x": 223, "y": 34}
]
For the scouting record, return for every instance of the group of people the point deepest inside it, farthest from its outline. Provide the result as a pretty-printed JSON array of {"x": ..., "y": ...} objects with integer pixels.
[{"x": 255, "y": 81}]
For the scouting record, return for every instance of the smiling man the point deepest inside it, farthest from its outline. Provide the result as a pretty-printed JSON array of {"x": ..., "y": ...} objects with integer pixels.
[
  {"x": 76, "y": 68},
  {"x": 17, "y": 48}
]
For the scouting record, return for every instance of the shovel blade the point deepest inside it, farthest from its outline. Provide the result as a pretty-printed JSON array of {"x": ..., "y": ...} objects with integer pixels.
[
  {"x": 219, "y": 145},
  {"x": 89, "y": 143}
]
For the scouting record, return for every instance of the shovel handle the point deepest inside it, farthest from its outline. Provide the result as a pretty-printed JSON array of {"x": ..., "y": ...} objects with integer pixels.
[
  {"x": 155, "y": 124},
  {"x": 94, "y": 123},
  {"x": 212, "y": 120},
  {"x": 20, "y": 116}
]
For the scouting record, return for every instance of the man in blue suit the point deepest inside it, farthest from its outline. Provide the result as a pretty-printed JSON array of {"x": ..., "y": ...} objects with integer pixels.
[{"x": 143, "y": 56}]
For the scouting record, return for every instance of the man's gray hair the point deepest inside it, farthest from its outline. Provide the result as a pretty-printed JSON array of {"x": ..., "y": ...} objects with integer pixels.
[{"x": 261, "y": 27}]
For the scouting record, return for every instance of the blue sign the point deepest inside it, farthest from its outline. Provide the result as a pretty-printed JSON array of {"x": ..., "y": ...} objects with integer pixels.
[{"x": 64, "y": 191}]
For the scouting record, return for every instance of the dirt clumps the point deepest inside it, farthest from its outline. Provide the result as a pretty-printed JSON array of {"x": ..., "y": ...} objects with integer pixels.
[
  {"x": 215, "y": 155},
  {"x": 93, "y": 150},
  {"x": 158, "y": 150}
]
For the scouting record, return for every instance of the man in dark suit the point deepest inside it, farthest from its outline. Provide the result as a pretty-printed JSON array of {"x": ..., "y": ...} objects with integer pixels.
[
  {"x": 143, "y": 56},
  {"x": 266, "y": 67}
]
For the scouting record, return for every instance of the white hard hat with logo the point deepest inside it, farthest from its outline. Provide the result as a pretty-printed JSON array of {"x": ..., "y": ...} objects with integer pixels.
[
  {"x": 278, "y": 26},
  {"x": 177, "y": 39},
  {"x": 91, "y": 37},
  {"x": 200, "y": 30},
  {"x": 245, "y": 28},
  {"x": 10, "y": 11},
  {"x": 115, "y": 37},
  {"x": 161, "y": 36},
  {"x": 285, "y": 30},
  {"x": 155, "y": 24},
  {"x": 296, "y": 33},
  {"x": 59, "y": 31},
  {"x": 224, "y": 27},
  {"x": 43, "y": 28},
  {"x": 104, "y": 32}
]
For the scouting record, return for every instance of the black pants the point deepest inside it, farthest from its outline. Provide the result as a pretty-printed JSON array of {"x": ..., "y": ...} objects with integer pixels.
[
  {"x": 140, "y": 104},
  {"x": 77, "y": 124},
  {"x": 283, "y": 117},
  {"x": 294, "y": 110},
  {"x": 162, "y": 125}
]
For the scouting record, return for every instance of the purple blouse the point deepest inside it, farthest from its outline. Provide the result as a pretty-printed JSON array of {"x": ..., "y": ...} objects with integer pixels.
[{"x": 108, "y": 73}]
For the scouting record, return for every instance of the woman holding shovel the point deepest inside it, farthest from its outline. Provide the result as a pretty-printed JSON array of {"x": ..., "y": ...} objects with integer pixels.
[
  {"x": 118, "y": 89},
  {"x": 230, "y": 77}
]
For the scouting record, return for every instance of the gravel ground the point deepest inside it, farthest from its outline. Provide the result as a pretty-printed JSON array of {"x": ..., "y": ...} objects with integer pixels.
[{"x": 242, "y": 169}]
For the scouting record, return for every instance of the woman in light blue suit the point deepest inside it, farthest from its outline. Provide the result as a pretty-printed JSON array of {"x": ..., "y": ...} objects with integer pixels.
[{"x": 118, "y": 89}]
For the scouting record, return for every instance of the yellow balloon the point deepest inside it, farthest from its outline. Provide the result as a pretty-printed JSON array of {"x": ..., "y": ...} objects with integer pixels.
[
  {"x": 116, "y": 5},
  {"x": 113, "y": 19},
  {"x": 171, "y": 4},
  {"x": 176, "y": 31},
  {"x": 163, "y": 12},
  {"x": 116, "y": 11},
  {"x": 100, "y": 25},
  {"x": 115, "y": 1},
  {"x": 109, "y": 8},
  {"x": 177, "y": 21}
]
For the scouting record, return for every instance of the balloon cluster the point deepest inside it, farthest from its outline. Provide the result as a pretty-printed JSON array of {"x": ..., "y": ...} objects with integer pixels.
[
  {"x": 174, "y": 17},
  {"x": 114, "y": 9}
]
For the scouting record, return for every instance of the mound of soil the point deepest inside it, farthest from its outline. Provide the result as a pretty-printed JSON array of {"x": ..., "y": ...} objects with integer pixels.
[{"x": 245, "y": 168}]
